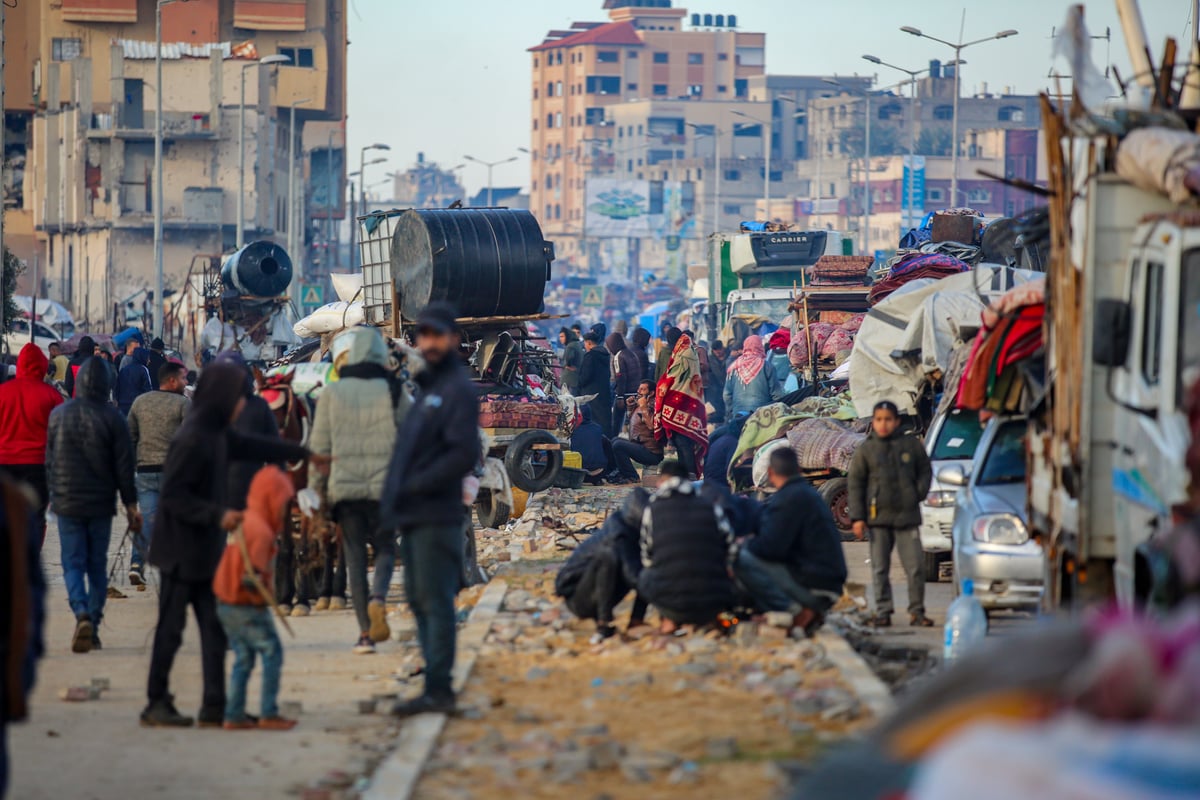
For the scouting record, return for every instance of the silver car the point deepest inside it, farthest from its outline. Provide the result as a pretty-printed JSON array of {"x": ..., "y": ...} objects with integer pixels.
[
  {"x": 991, "y": 541},
  {"x": 951, "y": 441}
]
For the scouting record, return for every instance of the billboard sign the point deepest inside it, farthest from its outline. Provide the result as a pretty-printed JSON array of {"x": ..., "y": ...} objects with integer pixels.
[{"x": 912, "y": 197}]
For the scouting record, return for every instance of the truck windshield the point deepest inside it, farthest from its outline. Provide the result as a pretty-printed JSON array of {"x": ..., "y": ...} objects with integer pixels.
[
  {"x": 1005, "y": 459},
  {"x": 958, "y": 437},
  {"x": 1189, "y": 324},
  {"x": 775, "y": 309}
]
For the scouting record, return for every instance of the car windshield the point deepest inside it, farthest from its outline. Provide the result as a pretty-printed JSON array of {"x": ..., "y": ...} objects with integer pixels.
[
  {"x": 1005, "y": 459},
  {"x": 958, "y": 437}
]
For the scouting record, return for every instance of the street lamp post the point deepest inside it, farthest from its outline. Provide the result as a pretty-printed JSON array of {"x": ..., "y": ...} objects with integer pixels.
[
  {"x": 866, "y": 95},
  {"x": 241, "y": 195},
  {"x": 362, "y": 176},
  {"x": 490, "y": 166},
  {"x": 361, "y": 198},
  {"x": 912, "y": 130},
  {"x": 293, "y": 217},
  {"x": 716, "y": 134},
  {"x": 958, "y": 48},
  {"x": 767, "y": 149}
]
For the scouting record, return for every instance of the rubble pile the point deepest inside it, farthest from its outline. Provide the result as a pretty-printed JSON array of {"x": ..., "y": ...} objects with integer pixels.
[
  {"x": 553, "y": 522},
  {"x": 636, "y": 715}
]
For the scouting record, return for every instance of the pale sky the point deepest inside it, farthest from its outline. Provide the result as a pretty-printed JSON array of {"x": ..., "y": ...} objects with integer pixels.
[{"x": 452, "y": 78}]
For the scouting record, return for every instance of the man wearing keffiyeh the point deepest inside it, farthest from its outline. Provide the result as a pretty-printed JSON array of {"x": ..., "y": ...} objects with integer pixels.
[{"x": 679, "y": 414}]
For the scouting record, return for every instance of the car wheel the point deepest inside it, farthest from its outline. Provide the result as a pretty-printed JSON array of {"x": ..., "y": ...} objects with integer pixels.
[
  {"x": 932, "y": 563},
  {"x": 491, "y": 510},
  {"x": 530, "y": 469},
  {"x": 836, "y": 494}
]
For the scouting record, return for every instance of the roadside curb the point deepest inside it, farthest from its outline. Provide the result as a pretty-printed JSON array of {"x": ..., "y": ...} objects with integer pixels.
[
  {"x": 397, "y": 776},
  {"x": 863, "y": 681}
]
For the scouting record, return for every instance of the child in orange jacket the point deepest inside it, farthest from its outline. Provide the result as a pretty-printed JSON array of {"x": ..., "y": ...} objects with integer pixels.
[{"x": 244, "y": 611}]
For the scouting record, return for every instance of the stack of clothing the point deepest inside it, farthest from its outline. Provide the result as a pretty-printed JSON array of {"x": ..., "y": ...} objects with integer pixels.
[
  {"x": 916, "y": 267},
  {"x": 841, "y": 270},
  {"x": 831, "y": 343},
  {"x": 993, "y": 378}
]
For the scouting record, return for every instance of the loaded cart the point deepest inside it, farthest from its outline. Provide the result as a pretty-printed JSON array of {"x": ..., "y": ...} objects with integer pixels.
[{"x": 492, "y": 264}]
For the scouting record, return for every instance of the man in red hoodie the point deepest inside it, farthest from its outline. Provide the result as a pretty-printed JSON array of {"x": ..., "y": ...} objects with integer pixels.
[{"x": 25, "y": 405}]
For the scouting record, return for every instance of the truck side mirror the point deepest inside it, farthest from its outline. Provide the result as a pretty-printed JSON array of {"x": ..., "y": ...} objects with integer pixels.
[{"x": 1111, "y": 333}]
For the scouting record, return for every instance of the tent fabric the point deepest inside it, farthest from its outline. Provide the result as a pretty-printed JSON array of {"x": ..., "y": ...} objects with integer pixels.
[{"x": 912, "y": 333}]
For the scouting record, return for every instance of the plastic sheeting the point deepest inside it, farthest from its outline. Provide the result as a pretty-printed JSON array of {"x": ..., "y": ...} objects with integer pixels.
[
  {"x": 912, "y": 333},
  {"x": 1159, "y": 160}
]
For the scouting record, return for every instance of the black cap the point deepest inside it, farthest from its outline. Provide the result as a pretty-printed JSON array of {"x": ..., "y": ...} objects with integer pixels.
[
  {"x": 157, "y": 344},
  {"x": 592, "y": 336},
  {"x": 438, "y": 317}
]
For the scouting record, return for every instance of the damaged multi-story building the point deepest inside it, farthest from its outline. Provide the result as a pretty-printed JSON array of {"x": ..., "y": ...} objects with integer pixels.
[{"x": 80, "y": 127}]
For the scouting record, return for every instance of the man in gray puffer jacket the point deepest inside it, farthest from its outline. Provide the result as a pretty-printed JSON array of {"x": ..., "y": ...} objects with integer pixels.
[{"x": 356, "y": 422}]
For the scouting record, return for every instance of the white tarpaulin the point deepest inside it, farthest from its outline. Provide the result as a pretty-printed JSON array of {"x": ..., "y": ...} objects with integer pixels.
[{"x": 912, "y": 332}]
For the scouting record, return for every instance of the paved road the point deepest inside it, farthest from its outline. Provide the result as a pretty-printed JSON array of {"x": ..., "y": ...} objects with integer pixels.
[{"x": 98, "y": 751}]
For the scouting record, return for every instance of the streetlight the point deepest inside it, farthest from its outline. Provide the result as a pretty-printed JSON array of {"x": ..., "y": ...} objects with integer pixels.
[
  {"x": 766, "y": 126},
  {"x": 717, "y": 133},
  {"x": 958, "y": 48},
  {"x": 866, "y": 95},
  {"x": 490, "y": 166},
  {"x": 362, "y": 165},
  {"x": 156, "y": 324},
  {"x": 912, "y": 128},
  {"x": 293, "y": 217},
  {"x": 241, "y": 196}
]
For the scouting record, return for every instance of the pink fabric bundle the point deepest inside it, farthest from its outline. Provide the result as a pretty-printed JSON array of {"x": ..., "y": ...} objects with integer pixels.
[
  {"x": 798, "y": 350},
  {"x": 839, "y": 340},
  {"x": 854, "y": 323}
]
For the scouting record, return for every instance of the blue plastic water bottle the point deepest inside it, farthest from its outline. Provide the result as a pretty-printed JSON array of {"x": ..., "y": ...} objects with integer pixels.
[{"x": 966, "y": 624}]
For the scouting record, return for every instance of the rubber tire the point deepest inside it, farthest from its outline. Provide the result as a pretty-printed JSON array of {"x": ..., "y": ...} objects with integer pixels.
[
  {"x": 836, "y": 494},
  {"x": 520, "y": 449},
  {"x": 932, "y": 562},
  {"x": 491, "y": 511}
]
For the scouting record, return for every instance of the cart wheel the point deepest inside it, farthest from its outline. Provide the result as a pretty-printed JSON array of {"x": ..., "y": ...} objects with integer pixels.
[
  {"x": 529, "y": 469},
  {"x": 491, "y": 510},
  {"x": 836, "y": 494}
]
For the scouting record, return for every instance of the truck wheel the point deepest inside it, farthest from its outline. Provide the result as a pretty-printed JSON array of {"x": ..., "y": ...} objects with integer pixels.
[
  {"x": 529, "y": 469},
  {"x": 932, "y": 563},
  {"x": 491, "y": 510},
  {"x": 836, "y": 494}
]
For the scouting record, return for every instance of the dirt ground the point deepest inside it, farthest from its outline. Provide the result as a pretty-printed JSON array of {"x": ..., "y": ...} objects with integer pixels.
[{"x": 550, "y": 715}]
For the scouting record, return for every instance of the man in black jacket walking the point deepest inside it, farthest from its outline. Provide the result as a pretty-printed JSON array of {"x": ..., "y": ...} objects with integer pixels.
[
  {"x": 89, "y": 460},
  {"x": 595, "y": 378},
  {"x": 795, "y": 563},
  {"x": 436, "y": 447},
  {"x": 194, "y": 515}
]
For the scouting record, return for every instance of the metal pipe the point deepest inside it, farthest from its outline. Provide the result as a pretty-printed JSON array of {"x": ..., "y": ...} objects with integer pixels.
[{"x": 156, "y": 322}]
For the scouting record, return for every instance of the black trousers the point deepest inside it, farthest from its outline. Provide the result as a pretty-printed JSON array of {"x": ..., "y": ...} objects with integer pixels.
[
  {"x": 35, "y": 476},
  {"x": 601, "y": 588},
  {"x": 176, "y": 595}
]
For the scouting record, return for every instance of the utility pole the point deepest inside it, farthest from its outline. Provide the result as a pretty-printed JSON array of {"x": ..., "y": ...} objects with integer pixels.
[{"x": 292, "y": 217}]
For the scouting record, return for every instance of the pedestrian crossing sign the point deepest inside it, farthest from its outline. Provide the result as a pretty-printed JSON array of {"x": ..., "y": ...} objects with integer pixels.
[
  {"x": 312, "y": 294},
  {"x": 593, "y": 296}
]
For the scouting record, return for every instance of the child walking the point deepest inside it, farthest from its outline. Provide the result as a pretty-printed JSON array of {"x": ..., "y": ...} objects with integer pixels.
[
  {"x": 889, "y": 477},
  {"x": 244, "y": 611}
]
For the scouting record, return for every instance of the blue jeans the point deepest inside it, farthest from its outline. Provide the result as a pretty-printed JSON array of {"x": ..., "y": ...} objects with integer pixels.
[
  {"x": 84, "y": 542},
  {"x": 148, "y": 484},
  {"x": 250, "y": 631},
  {"x": 773, "y": 588},
  {"x": 432, "y": 556}
]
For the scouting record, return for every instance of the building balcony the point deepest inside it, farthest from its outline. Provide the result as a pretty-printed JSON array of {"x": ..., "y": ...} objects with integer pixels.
[{"x": 135, "y": 126}]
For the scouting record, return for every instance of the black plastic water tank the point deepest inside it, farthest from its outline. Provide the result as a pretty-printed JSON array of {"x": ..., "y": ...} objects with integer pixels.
[
  {"x": 487, "y": 262},
  {"x": 260, "y": 269}
]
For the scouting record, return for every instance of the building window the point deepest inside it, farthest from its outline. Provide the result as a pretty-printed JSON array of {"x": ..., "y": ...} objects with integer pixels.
[
  {"x": 660, "y": 89},
  {"x": 558, "y": 57},
  {"x": 602, "y": 85},
  {"x": 631, "y": 87},
  {"x": 981, "y": 196},
  {"x": 695, "y": 90},
  {"x": 594, "y": 116},
  {"x": 549, "y": 182},
  {"x": 535, "y": 62},
  {"x": 943, "y": 112},
  {"x": 558, "y": 212},
  {"x": 558, "y": 89},
  {"x": 300, "y": 56},
  {"x": 558, "y": 119},
  {"x": 890, "y": 111},
  {"x": 695, "y": 58},
  {"x": 722, "y": 90},
  {"x": 741, "y": 87},
  {"x": 1011, "y": 114},
  {"x": 732, "y": 175},
  {"x": 720, "y": 57},
  {"x": 549, "y": 120},
  {"x": 732, "y": 209},
  {"x": 631, "y": 54},
  {"x": 535, "y": 93},
  {"x": 549, "y": 211},
  {"x": 535, "y": 124},
  {"x": 557, "y": 180},
  {"x": 608, "y": 57},
  {"x": 662, "y": 58},
  {"x": 747, "y": 129},
  {"x": 550, "y": 89},
  {"x": 937, "y": 195},
  {"x": 66, "y": 49}
]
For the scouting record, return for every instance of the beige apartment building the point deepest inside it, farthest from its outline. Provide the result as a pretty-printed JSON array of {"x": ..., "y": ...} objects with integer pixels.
[
  {"x": 647, "y": 51},
  {"x": 80, "y": 119}
]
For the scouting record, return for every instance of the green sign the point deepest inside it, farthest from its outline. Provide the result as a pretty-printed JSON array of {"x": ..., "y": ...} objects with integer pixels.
[
  {"x": 312, "y": 294},
  {"x": 593, "y": 296}
]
